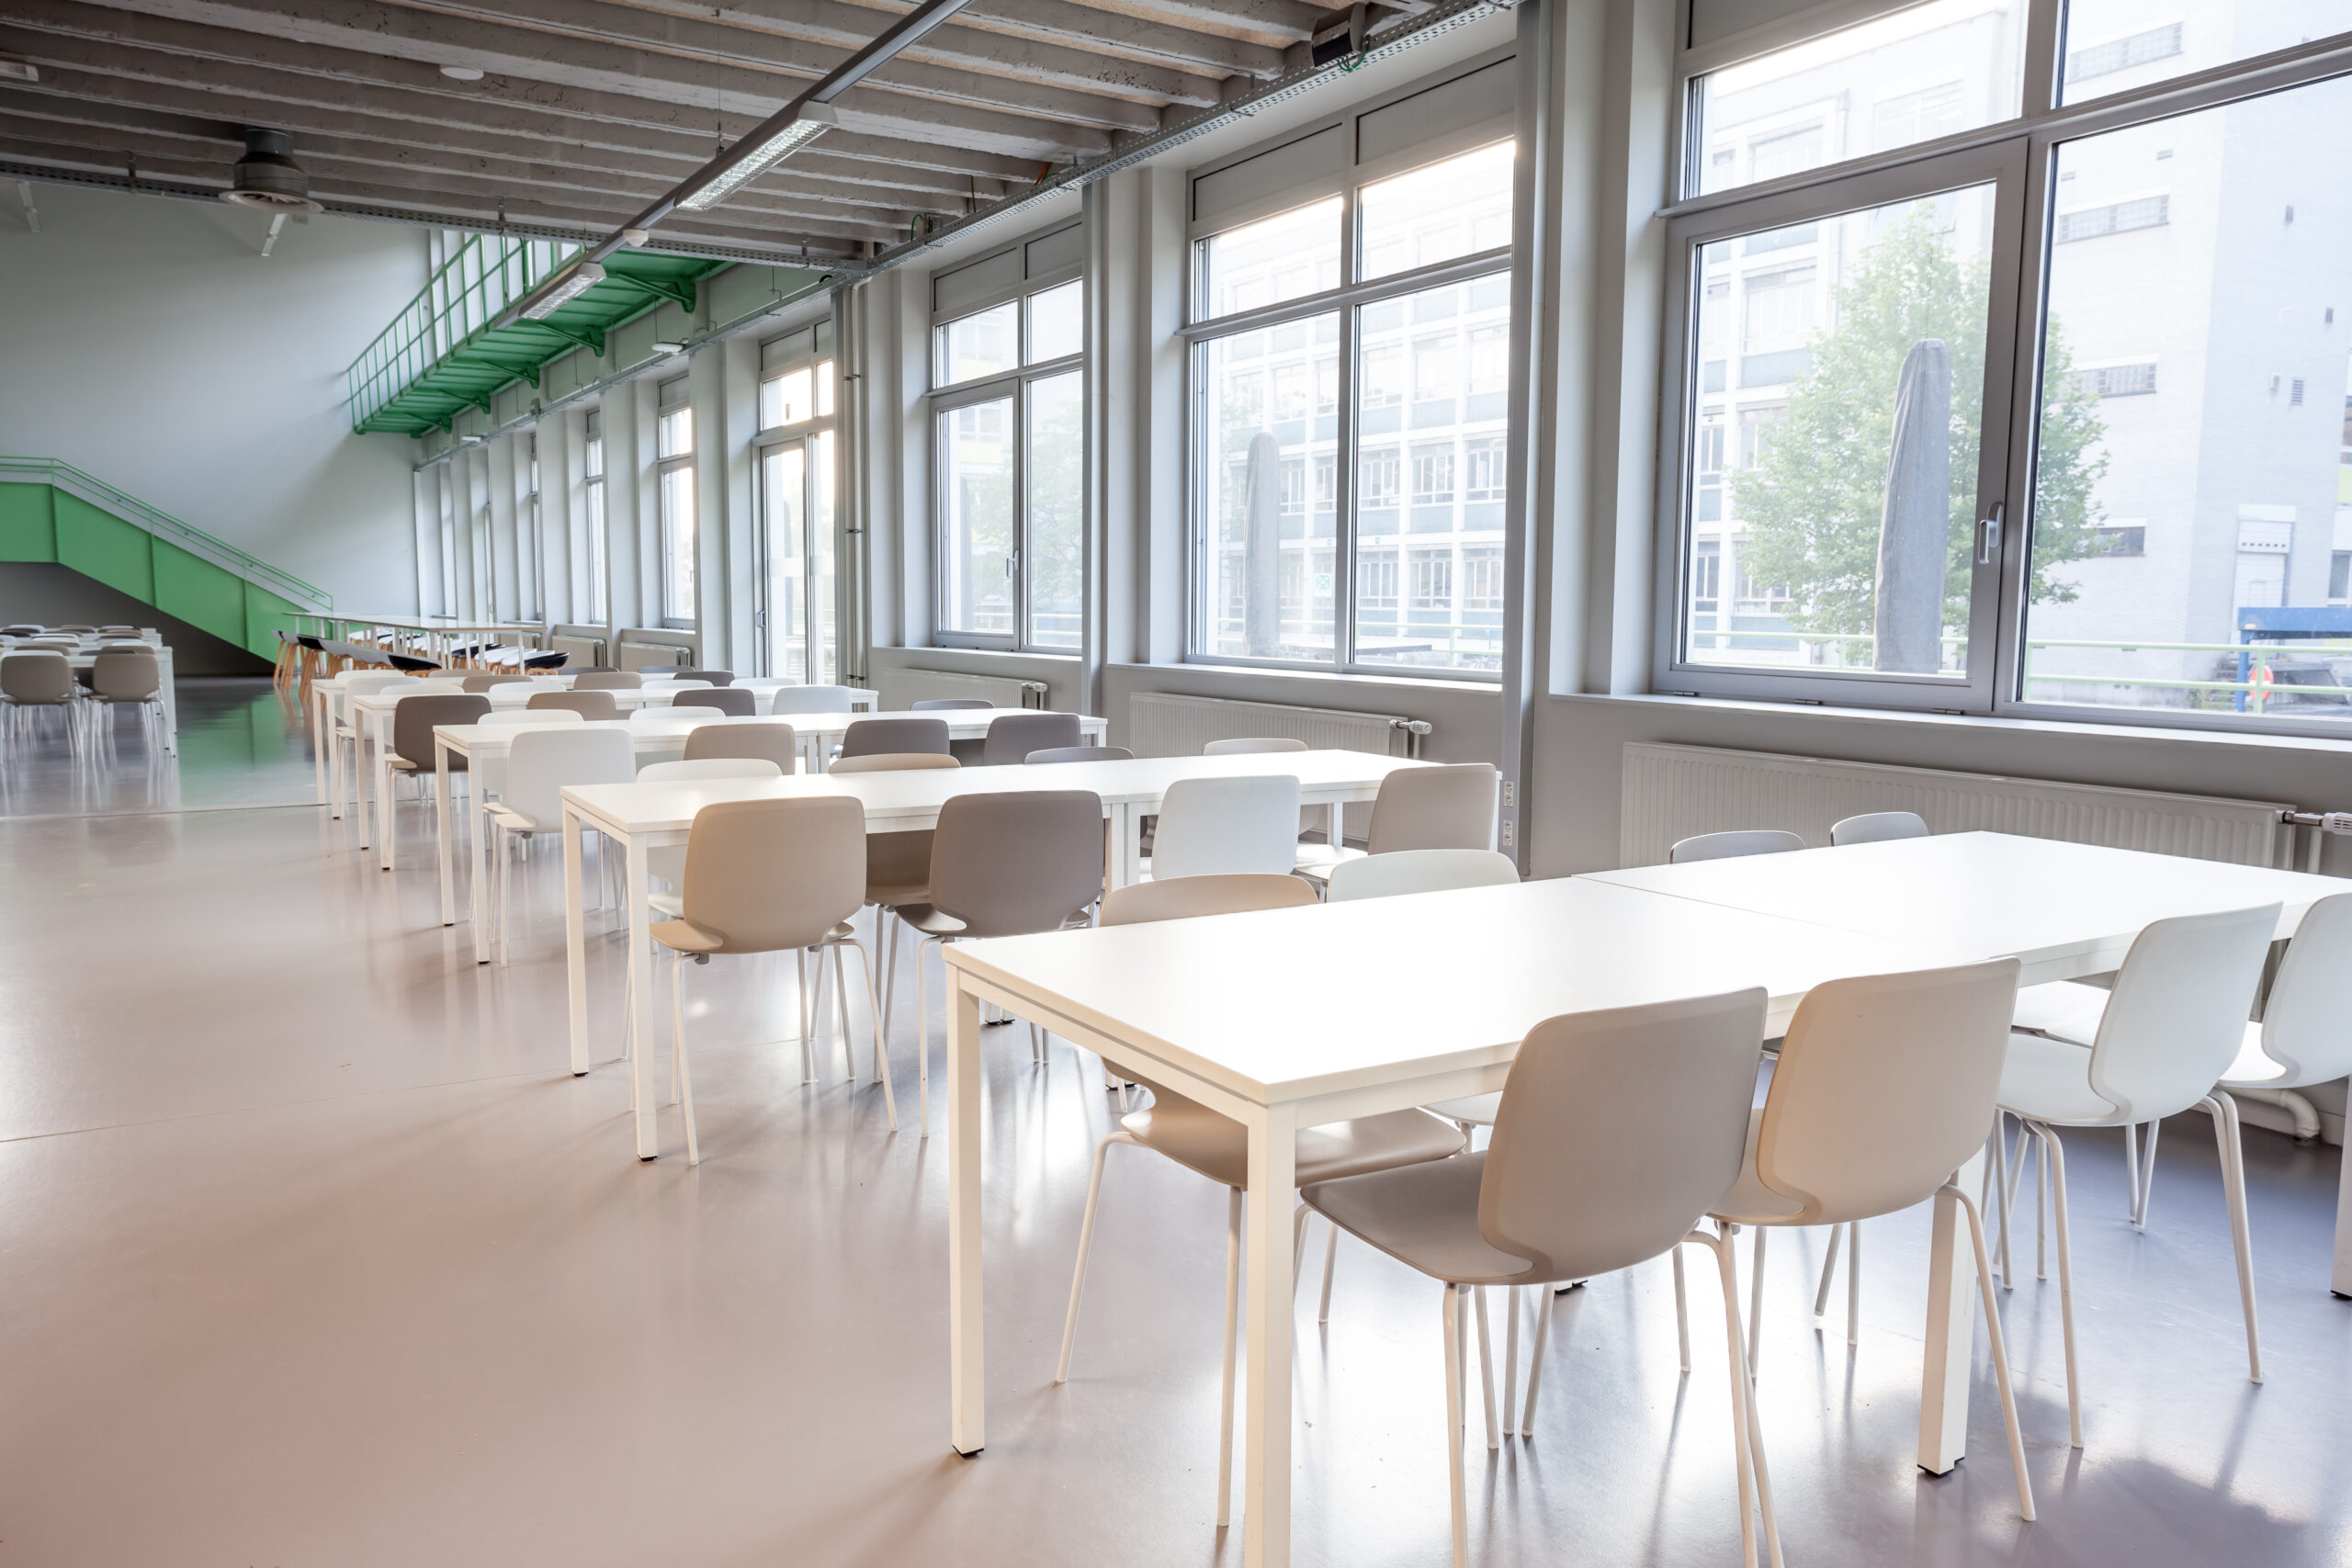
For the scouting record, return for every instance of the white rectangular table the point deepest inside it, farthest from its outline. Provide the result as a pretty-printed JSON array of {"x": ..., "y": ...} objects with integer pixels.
[
  {"x": 1291, "y": 1018},
  {"x": 643, "y": 816}
]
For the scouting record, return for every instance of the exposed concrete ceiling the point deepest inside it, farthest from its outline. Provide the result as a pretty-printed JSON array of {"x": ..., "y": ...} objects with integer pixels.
[{"x": 587, "y": 110}]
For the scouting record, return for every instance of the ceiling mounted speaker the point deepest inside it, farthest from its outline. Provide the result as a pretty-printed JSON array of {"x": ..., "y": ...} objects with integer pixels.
[{"x": 266, "y": 179}]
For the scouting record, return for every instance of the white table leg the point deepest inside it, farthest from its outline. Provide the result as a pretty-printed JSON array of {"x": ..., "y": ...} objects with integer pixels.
[
  {"x": 361, "y": 772},
  {"x": 441, "y": 830},
  {"x": 384, "y": 816},
  {"x": 575, "y": 935},
  {"x": 319, "y": 734},
  {"x": 169, "y": 692},
  {"x": 1338, "y": 830},
  {"x": 640, "y": 966},
  {"x": 968, "y": 1404},
  {"x": 477, "y": 851},
  {"x": 1265, "y": 1522},
  {"x": 1952, "y": 1331},
  {"x": 2340, "y": 1277}
]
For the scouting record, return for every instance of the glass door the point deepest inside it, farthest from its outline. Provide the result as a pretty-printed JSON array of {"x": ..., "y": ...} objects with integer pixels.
[{"x": 796, "y": 515}]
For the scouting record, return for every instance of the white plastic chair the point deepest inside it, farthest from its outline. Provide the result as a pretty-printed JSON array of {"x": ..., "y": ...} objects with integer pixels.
[
  {"x": 1878, "y": 827},
  {"x": 1420, "y": 871},
  {"x": 540, "y": 764},
  {"x": 1730, "y": 845},
  {"x": 808, "y": 699},
  {"x": 531, "y": 717},
  {"x": 1249, "y": 744},
  {"x": 668, "y": 864},
  {"x": 1226, "y": 827},
  {"x": 2173, "y": 1026}
]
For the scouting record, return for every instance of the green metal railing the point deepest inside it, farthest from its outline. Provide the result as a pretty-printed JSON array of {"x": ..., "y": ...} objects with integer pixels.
[
  {"x": 474, "y": 287},
  {"x": 163, "y": 525}
]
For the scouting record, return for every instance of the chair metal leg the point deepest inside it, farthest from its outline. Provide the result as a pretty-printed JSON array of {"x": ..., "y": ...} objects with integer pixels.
[
  {"x": 2000, "y": 1351},
  {"x": 923, "y": 1037},
  {"x": 2057, "y": 1156},
  {"x": 678, "y": 1051},
  {"x": 1486, "y": 1365},
  {"x": 1232, "y": 1330},
  {"x": 1829, "y": 1271},
  {"x": 808, "y": 1053},
  {"x": 2223, "y": 1108},
  {"x": 1510, "y": 1359},
  {"x": 2131, "y": 1170},
  {"x": 1746, "y": 1447},
  {"x": 1454, "y": 1413},
  {"x": 841, "y": 1005},
  {"x": 2040, "y": 1203},
  {"x": 1681, "y": 1317},
  {"x": 1756, "y": 1298},
  {"x": 1330, "y": 1258},
  {"x": 1853, "y": 1282},
  {"x": 1998, "y": 1173},
  {"x": 2148, "y": 1172},
  {"x": 1086, "y": 1249},
  {"x": 874, "y": 1007}
]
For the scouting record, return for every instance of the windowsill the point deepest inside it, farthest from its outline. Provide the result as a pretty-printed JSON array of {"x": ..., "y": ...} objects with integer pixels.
[
  {"x": 997, "y": 653},
  {"x": 1341, "y": 677},
  {"x": 1981, "y": 722}
]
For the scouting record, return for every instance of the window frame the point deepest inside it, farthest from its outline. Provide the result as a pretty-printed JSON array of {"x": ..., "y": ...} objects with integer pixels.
[
  {"x": 2025, "y": 238},
  {"x": 822, "y": 349},
  {"x": 663, "y": 466}
]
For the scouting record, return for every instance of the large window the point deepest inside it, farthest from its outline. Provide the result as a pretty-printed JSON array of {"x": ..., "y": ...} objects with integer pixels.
[
  {"x": 2051, "y": 424},
  {"x": 1357, "y": 437},
  {"x": 674, "y": 436},
  {"x": 1008, "y": 448},
  {"x": 593, "y": 582},
  {"x": 795, "y": 453}
]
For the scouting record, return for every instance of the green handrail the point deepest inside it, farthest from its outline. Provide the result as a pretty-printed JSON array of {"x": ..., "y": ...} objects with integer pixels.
[
  {"x": 473, "y": 289},
  {"x": 155, "y": 520}
]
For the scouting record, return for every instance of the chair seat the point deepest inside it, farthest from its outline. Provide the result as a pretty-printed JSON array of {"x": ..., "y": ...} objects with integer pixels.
[
  {"x": 1476, "y": 1109},
  {"x": 514, "y": 821},
  {"x": 1316, "y": 860},
  {"x": 689, "y": 937},
  {"x": 2050, "y": 1080},
  {"x": 1425, "y": 1216},
  {"x": 1218, "y": 1147},
  {"x": 898, "y": 896},
  {"x": 932, "y": 921},
  {"x": 1749, "y": 1201},
  {"x": 2066, "y": 1009}
]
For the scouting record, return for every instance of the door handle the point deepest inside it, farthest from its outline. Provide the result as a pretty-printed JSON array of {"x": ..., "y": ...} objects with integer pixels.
[{"x": 1988, "y": 536}]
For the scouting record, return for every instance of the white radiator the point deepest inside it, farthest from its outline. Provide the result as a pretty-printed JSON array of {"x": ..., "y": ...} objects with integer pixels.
[
  {"x": 1162, "y": 724},
  {"x": 902, "y": 689},
  {"x": 652, "y": 655},
  {"x": 585, "y": 652},
  {"x": 1672, "y": 792}
]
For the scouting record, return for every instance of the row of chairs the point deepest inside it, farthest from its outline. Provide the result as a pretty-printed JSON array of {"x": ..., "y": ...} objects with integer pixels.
[{"x": 36, "y": 680}]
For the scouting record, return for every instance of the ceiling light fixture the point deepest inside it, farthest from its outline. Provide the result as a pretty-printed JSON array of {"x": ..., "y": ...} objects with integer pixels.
[
  {"x": 566, "y": 287},
  {"x": 461, "y": 72},
  {"x": 669, "y": 349},
  {"x": 813, "y": 120},
  {"x": 17, "y": 69}
]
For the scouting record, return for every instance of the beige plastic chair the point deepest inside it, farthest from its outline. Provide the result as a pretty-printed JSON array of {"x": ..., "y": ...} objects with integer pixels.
[
  {"x": 770, "y": 876},
  {"x": 31, "y": 681},
  {"x": 1013, "y": 736},
  {"x": 1080, "y": 754},
  {"x": 667, "y": 863},
  {"x": 1618, "y": 1130},
  {"x": 1878, "y": 827},
  {"x": 543, "y": 762},
  {"x": 1005, "y": 865},
  {"x": 872, "y": 737},
  {"x": 898, "y": 865},
  {"x": 1733, "y": 844},
  {"x": 413, "y": 754},
  {"x": 607, "y": 681},
  {"x": 484, "y": 682},
  {"x": 771, "y": 740},
  {"x": 132, "y": 676},
  {"x": 1450, "y": 806},
  {"x": 1218, "y": 1147},
  {"x": 2173, "y": 1027},
  {"x": 1885, "y": 1086},
  {"x": 1223, "y": 826},
  {"x": 732, "y": 701},
  {"x": 587, "y": 704}
]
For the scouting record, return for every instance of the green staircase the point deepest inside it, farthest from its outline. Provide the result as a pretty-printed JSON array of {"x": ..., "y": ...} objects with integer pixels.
[{"x": 51, "y": 511}]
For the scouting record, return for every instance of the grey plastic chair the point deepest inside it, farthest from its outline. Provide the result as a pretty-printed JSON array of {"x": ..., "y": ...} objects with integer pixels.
[
  {"x": 715, "y": 677},
  {"x": 1451, "y": 807},
  {"x": 770, "y": 876},
  {"x": 810, "y": 699},
  {"x": 34, "y": 680},
  {"x": 898, "y": 865},
  {"x": 869, "y": 737},
  {"x": 772, "y": 739},
  {"x": 1081, "y": 754},
  {"x": 593, "y": 703},
  {"x": 732, "y": 701},
  {"x": 484, "y": 682},
  {"x": 1618, "y": 1131},
  {"x": 1005, "y": 865},
  {"x": 1878, "y": 827},
  {"x": 1218, "y": 1146},
  {"x": 938, "y": 704},
  {"x": 1733, "y": 844},
  {"x": 413, "y": 721},
  {"x": 607, "y": 681},
  {"x": 1013, "y": 736},
  {"x": 132, "y": 676}
]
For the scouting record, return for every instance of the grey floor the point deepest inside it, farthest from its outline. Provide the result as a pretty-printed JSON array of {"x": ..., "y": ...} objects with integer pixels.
[
  {"x": 241, "y": 743},
  {"x": 315, "y": 1254}
]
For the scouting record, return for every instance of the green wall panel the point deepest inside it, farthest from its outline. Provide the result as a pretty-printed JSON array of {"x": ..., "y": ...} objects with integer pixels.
[
  {"x": 101, "y": 546},
  {"x": 28, "y": 523},
  {"x": 266, "y": 616},
  {"x": 200, "y": 592}
]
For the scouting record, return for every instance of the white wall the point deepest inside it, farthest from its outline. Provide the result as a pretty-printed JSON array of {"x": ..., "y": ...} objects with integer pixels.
[{"x": 147, "y": 341}]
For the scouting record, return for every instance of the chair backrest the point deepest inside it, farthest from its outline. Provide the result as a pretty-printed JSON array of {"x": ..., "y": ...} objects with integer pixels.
[
  {"x": 1181, "y": 898},
  {"x": 36, "y": 677},
  {"x": 2177, "y": 1018},
  {"x": 125, "y": 675},
  {"x": 607, "y": 681},
  {"x": 709, "y": 768},
  {"x": 527, "y": 715},
  {"x": 1013, "y": 736},
  {"x": 1885, "y": 1085},
  {"x": 1216, "y": 827},
  {"x": 1419, "y": 871},
  {"x": 413, "y": 721},
  {"x": 2307, "y": 1021},
  {"x": 935, "y": 704},
  {"x": 726, "y": 700},
  {"x": 665, "y": 683},
  {"x": 868, "y": 736},
  {"x": 715, "y": 677},
  {"x": 767, "y": 875},
  {"x": 810, "y": 699},
  {"x": 545, "y": 760},
  {"x": 1733, "y": 844},
  {"x": 484, "y": 682},
  {"x": 587, "y": 704},
  {"x": 77, "y": 629},
  {"x": 892, "y": 762},
  {"x": 365, "y": 686},
  {"x": 769, "y": 739},
  {"x": 442, "y": 685},
  {"x": 1252, "y": 743},
  {"x": 1446, "y": 807},
  {"x": 1877, "y": 826},
  {"x": 1081, "y": 754},
  {"x": 1617, "y": 1129},
  {"x": 1027, "y": 860}
]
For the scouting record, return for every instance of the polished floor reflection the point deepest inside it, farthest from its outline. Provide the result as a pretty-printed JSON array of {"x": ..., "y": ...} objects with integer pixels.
[
  {"x": 241, "y": 742},
  {"x": 317, "y": 1255}
]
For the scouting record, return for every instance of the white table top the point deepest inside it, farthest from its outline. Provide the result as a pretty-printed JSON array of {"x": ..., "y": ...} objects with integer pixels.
[
  {"x": 1284, "y": 1004},
  {"x": 670, "y": 807},
  {"x": 2066, "y": 908},
  {"x": 482, "y": 742}
]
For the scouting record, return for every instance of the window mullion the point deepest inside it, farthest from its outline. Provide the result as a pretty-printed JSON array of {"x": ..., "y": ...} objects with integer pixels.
[{"x": 1343, "y": 516}]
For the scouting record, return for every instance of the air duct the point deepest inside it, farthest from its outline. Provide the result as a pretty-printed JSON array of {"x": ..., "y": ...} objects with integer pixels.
[{"x": 266, "y": 179}]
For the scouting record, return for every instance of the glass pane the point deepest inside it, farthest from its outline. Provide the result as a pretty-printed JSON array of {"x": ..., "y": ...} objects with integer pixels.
[
  {"x": 784, "y": 487},
  {"x": 2115, "y": 45},
  {"x": 976, "y": 506},
  {"x": 1056, "y": 509},
  {"x": 1922, "y": 73},
  {"x": 1284, "y": 257},
  {"x": 674, "y": 432},
  {"x": 979, "y": 344},
  {"x": 678, "y": 542},
  {"x": 1432, "y": 431},
  {"x": 2192, "y": 527},
  {"x": 821, "y": 550},
  {"x": 1457, "y": 207},
  {"x": 596, "y": 450},
  {"x": 1268, "y": 437},
  {"x": 1835, "y": 407},
  {"x": 592, "y": 556},
  {"x": 787, "y": 399},
  {"x": 1056, "y": 323},
  {"x": 824, "y": 388}
]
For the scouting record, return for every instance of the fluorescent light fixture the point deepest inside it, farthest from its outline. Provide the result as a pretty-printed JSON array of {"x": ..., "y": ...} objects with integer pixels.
[
  {"x": 813, "y": 122},
  {"x": 566, "y": 287},
  {"x": 18, "y": 70},
  {"x": 461, "y": 72},
  {"x": 667, "y": 348}
]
